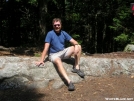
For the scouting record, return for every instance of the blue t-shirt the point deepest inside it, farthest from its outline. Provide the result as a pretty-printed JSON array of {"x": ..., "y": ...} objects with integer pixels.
[{"x": 57, "y": 41}]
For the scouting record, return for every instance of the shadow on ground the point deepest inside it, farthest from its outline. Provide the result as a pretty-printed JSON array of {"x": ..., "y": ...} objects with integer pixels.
[
  {"x": 20, "y": 95},
  {"x": 17, "y": 91}
]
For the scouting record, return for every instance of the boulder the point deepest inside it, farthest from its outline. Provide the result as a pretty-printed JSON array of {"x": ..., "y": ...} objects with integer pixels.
[
  {"x": 129, "y": 48},
  {"x": 21, "y": 72}
]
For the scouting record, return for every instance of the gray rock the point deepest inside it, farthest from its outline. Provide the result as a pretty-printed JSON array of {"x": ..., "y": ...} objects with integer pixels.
[
  {"x": 18, "y": 72},
  {"x": 129, "y": 48},
  {"x": 58, "y": 84},
  {"x": 37, "y": 84}
]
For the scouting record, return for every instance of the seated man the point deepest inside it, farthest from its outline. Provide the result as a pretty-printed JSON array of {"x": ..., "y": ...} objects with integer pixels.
[{"x": 55, "y": 47}]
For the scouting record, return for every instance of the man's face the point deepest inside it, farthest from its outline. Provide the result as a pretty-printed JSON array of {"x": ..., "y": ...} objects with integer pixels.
[{"x": 57, "y": 26}]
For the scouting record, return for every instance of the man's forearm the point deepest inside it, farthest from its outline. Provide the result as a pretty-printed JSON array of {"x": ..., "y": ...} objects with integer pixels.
[{"x": 43, "y": 55}]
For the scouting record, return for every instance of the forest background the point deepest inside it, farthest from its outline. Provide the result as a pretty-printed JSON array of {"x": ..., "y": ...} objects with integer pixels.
[{"x": 100, "y": 26}]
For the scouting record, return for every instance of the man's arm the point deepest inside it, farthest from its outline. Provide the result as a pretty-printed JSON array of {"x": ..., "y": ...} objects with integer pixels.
[
  {"x": 76, "y": 46},
  {"x": 44, "y": 53},
  {"x": 74, "y": 42}
]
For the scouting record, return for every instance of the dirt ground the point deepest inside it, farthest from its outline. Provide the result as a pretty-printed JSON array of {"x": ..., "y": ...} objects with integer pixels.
[{"x": 110, "y": 88}]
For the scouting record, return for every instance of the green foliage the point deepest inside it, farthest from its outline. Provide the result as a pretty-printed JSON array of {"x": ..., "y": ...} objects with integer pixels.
[
  {"x": 77, "y": 37},
  {"x": 118, "y": 21},
  {"x": 121, "y": 24},
  {"x": 37, "y": 54},
  {"x": 122, "y": 38},
  {"x": 132, "y": 38},
  {"x": 33, "y": 2},
  {"x": 99, "y": 26},
  {"x": 117, "y": 24}
]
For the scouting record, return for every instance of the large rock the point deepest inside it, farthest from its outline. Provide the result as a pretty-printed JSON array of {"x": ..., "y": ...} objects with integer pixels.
[
  {"x": 19, "y": 72},
  {"x": 129, "y": 48}
]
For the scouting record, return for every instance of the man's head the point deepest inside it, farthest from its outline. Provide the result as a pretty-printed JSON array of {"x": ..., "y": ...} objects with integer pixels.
[{"x": 57, "y": 24}]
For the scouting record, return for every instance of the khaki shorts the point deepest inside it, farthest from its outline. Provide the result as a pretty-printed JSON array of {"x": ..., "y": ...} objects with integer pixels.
[{"x": 61, "y": 54}]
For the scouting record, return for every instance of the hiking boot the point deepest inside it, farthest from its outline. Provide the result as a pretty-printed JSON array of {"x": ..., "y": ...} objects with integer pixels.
[
  {"x": 79, "y": 72},
  {"x": 71, "y": 86}
]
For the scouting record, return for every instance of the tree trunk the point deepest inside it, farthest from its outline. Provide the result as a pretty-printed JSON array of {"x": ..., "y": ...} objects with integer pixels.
[{"x": 42, "y": 18}]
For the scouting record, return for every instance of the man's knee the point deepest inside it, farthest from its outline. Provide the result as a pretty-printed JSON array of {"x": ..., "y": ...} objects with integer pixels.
[
  {"x": 56, "y": 60},
  {"x": 79, "y": 48}
]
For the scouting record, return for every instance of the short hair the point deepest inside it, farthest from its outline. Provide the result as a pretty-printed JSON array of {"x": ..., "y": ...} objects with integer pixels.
[{"x": 56, "y": 20}]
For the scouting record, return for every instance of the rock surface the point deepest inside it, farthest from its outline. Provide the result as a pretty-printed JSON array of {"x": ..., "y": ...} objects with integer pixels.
[
  {"x": 19, "y": 72},
  {"x": 129, "y": 48}
]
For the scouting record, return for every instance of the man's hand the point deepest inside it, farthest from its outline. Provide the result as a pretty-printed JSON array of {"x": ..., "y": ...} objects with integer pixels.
[{"x": 39, "y": 63}]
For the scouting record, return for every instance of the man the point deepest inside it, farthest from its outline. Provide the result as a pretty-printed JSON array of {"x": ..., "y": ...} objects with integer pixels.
[{"x": 54, "y": 46}]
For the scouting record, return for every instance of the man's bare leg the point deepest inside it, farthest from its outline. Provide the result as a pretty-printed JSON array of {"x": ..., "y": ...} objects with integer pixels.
[
  {"x": 61, "y": 69},
  {"x": 76, "y": 56},
  {"x": 70, "y": 52}
]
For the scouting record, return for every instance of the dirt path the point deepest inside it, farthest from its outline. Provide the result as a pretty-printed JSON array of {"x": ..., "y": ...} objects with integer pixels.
[{"x": 119, "y": 88}]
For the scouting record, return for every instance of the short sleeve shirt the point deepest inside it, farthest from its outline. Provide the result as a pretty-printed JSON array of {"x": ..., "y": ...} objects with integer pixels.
[{"x": 57, "y": 41}]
